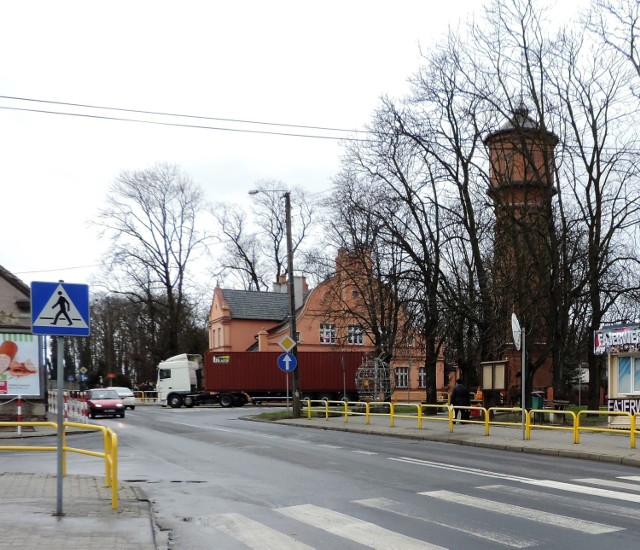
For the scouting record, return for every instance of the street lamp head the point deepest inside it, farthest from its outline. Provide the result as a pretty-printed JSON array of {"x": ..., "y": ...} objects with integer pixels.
[{"x": 284, "y": 192}]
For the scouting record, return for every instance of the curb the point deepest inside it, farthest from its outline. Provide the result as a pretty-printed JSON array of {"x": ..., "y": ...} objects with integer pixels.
[{"x": 565, "y": 453}]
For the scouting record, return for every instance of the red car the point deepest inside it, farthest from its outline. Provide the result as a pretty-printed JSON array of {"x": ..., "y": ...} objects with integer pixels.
[{"x": 104, "y": 402}]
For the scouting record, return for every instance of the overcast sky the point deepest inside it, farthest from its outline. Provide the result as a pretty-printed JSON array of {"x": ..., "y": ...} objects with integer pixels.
[{"x": 292, "y": 62}]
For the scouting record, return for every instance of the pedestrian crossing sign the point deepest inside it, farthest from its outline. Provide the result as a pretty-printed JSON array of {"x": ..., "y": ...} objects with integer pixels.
[{"x": 60, "y": 309}]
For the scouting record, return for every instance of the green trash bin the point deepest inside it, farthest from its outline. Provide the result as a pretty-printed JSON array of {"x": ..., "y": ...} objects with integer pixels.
[{"x": 537, "y": 400}]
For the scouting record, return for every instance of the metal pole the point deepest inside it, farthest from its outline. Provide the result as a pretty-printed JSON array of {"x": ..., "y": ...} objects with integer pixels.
[
  {"x": 292, "y": 305},
  {"x": 523, "y": 371},
  {"x": 286, "y": 376},
  {"x": 344, "y": 379},
  {"x": 60, "y": 421}
]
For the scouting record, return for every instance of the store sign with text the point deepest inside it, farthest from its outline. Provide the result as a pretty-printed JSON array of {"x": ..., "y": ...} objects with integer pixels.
[{"x": 620, "y": 339}]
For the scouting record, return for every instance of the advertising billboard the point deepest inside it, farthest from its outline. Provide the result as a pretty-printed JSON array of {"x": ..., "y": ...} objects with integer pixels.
[
  {"x": 19, "y": 364},
  {"x": 617, "y": 339}
]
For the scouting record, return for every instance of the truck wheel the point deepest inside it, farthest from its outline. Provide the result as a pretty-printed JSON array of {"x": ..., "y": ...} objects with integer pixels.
[
  {"x": 226, "y": 400},
  {"x": 175, "y": 401},
  {"x": 326, "y": 397},
  {"x": 189, "y": 402}
]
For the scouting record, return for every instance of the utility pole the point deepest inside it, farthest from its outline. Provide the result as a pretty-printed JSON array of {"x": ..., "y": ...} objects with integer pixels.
[{"x": 297, "y": 408}]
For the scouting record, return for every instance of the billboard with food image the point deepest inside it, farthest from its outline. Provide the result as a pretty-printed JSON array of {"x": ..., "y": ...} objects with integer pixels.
[{"x": 19, "y": 373}]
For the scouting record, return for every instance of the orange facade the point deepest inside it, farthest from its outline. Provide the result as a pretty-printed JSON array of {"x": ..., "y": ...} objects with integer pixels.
[{"x": 325, "y": 322}]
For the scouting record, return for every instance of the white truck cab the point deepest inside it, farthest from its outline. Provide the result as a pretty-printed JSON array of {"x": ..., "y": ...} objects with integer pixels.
[{"x": 178, "y": 378}]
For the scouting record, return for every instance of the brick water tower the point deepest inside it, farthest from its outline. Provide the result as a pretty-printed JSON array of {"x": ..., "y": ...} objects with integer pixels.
[{"x": 521, "y": 187}]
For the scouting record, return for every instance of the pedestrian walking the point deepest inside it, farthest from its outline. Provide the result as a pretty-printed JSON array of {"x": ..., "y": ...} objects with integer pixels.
[{"x": 460, "y": 397}]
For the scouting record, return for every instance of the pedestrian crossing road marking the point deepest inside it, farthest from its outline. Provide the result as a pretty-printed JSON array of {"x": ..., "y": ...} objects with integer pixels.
[
  {"x": 539, "y": 516},
  {"x": 253, "y": 534},
  {"x": 354, "y": 529}
]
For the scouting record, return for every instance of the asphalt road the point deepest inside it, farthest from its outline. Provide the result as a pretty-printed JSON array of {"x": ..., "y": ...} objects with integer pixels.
[{"x": 218, "y": 481}]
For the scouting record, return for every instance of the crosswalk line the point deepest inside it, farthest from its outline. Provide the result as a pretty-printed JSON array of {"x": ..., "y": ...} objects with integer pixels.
[
  {"x": 252, "y": 533},
  {"x": 354, "y": 529},
  {"x": 539, "y": 516},
  {"x": 609, "y": 483},
  {"x": 630, "y": 478},
  {"x": 581, "y": 489},
  {"x": 566, "y": 501},
  {"x": 405, "y": 510}
]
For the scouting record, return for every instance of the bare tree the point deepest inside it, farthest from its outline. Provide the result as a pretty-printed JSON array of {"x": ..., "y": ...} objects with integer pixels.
[
  {"x": 152, "y": 219},
  {"x": 602, "y": 172},
  {"x": 617, "y": 23},
  {"x": 254, "y": 238},
  {"x": 241, "y": 259}
]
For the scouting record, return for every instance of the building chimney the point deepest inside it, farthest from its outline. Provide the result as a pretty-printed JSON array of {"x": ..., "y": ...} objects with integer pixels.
[{"x": 262, "y": 340}]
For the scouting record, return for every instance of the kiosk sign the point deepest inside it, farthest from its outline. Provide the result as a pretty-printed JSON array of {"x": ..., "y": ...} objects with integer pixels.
[{"x": 616, "y": 339}]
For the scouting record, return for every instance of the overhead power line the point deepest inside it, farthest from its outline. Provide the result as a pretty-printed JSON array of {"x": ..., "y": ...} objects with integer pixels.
[{"x": 177, "y": 115}]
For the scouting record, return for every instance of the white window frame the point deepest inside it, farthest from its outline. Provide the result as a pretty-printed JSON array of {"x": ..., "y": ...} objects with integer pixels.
[
  {"x": 355, "y": 335},
  {"x": 402, "y": 377},
  {"x": 328, "y": 333},
  {"x": 628, "y": 375},
  {"x": 422, "y": 377}
]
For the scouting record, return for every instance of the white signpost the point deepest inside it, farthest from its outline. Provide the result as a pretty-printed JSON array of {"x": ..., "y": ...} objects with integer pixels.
[{"x": 519, "y": 343}]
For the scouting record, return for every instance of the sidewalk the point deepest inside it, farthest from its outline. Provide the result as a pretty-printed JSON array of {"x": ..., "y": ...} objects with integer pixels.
[
  {"x": 602, "y": 447},
  {"x": 28, "y": 505}
]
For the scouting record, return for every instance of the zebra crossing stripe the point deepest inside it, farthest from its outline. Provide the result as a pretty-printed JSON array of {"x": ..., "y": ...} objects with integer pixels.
[
  {"x": 561, "y": 500},
  {"x": 252, "y": 533},
  {"x": 630, "y": 478},
  {"x": 354, "y": 529},
  {"x": 402, "y": 509},
  {"x": 539, "y": 516},
  {"x": 610, "y": 483},
  {"x": 574, "y": 488}
]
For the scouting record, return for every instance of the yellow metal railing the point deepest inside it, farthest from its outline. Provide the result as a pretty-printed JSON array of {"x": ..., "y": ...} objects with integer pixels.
[
  {"x": 109, "y": 454},
  {"x": 143, "y": 397},
  {"x": 487, "y": 417}
]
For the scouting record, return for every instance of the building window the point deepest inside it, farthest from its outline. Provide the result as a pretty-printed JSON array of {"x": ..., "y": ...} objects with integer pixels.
[
  {"x": 355, "y": 335},
  {"x": 402, "y": 377},
  {"x": 628, "y": 375},
  {"x": 422, "y": 377},
  {"x": 327, "y": 333}
]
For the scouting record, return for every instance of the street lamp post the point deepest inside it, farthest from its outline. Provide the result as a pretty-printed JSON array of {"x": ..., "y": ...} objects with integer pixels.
[{"x": 297, "y": 409}]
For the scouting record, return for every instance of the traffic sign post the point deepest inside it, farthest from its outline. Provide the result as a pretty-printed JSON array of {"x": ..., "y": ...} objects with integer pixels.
[
  {"x": 519, "y": 343},
  {"x": 60, "y": 309},
  {"x": 287, "y": 362}
]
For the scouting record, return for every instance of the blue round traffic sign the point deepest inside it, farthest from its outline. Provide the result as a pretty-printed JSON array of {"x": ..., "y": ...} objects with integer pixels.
[{"x": 287, "y": 362}]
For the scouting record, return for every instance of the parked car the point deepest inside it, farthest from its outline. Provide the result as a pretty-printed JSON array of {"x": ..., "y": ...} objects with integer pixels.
[
  {"x": 127, "y": 397},
  {"x": 105, "y": 402}
]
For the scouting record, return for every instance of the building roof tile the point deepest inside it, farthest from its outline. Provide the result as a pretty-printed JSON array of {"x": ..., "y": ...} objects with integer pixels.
[{"x": 247, "y": 304}]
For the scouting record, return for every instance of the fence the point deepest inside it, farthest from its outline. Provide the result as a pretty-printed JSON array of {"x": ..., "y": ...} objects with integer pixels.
[
  {"x": 75, "y": 405},
  {"x": 487, "y": 417},
  {"x": 146, "y": 397}
]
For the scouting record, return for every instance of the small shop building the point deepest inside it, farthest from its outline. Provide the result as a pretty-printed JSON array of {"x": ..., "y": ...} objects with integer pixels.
[{"x": 621, "y": 345}]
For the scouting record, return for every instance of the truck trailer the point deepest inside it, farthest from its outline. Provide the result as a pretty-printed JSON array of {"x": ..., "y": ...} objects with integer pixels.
[{"x": 236, "y": 378}]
